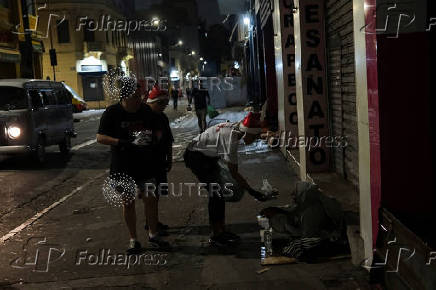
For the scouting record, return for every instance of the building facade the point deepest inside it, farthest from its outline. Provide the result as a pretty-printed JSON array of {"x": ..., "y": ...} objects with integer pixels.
[
  {"x": 20, "y": 45},
  {"x": 343, "y": 78},
  {"x": 88, "y": 44}
]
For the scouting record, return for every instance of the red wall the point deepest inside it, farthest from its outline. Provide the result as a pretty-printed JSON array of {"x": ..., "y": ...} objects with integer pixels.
[{"x": 405, "y": 107}]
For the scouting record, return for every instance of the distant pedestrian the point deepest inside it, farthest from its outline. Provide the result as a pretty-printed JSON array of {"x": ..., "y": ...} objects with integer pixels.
[
  {"x": 175, "y": 97},
  {"x": 201, "y": 101},
  {"x": 189, "y": 95}
]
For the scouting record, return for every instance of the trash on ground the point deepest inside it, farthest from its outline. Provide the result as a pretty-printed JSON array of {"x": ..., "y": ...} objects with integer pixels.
[
  {"x": 278, "y": 260},
  {"x": 268, "y": 190},
  {"x": 261, "y": 271}
]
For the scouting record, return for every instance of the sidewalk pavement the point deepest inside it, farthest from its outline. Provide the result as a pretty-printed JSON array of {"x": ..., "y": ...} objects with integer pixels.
[{"x": 73, "y": 235}]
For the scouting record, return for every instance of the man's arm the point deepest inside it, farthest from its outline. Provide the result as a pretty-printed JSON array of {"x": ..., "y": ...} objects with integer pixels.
[
  {"x": 107, "y": 140},
  {"x": 244, "y": 184},
  {"x": 238, "y": 177},
  {"x": 170, "y": 157}
]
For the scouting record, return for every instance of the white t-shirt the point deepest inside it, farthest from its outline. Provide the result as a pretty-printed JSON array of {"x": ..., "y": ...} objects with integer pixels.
[{"x": 218, "y": 141}]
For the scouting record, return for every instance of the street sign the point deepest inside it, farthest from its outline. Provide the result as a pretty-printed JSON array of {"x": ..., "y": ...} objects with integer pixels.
[{"x": 53, "y": 57}]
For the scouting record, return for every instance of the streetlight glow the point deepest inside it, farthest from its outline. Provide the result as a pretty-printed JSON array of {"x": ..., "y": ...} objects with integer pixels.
[
  {"x": 156, "y": 21},
  {"x": 247, "y": 20}
]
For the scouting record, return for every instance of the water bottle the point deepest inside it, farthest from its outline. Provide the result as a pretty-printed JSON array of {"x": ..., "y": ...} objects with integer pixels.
[{"x": 268, "y": 242}]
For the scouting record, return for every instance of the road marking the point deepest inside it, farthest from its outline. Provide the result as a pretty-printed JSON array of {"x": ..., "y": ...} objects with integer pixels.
[
  {"x": 87, "y": 143},
  {"x": 46, "y": 210}
]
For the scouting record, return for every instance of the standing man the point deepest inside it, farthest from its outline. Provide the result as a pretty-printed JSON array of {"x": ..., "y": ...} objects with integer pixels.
[
  {"x": 175, "y": 97},
  {"x": 201, "y": 101},
  {"x": 158, "y": 100},
  {"x": 202, "y": 155},
  {"x": 189, "y": 96},
  {"x": 132, "y": 130}
]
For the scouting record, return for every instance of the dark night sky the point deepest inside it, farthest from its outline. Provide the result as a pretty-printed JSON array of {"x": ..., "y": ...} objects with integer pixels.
[{"x": 207, "y": 9}]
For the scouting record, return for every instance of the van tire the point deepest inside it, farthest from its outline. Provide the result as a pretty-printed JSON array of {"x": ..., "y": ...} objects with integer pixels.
[
  {"x": 65, "y": 146},
  {"x": 39, "y": 154}
]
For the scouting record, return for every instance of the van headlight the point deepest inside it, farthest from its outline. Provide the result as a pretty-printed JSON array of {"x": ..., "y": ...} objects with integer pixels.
[{"x": 14, "y": 132}]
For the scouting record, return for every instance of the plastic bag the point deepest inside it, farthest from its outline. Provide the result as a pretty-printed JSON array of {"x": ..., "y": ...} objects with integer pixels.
[
  {"x": 268, "y": 190},
  {"x": 212, "y": 112},
  {"x": 236, "y": 192}
]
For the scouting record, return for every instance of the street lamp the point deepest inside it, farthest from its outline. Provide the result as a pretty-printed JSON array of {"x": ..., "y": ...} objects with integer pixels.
[
  {"x": 193, "y": 52},
  {"x": 201, "y": 59},
  {"x": 180, "y": 42},
  {"x": 247, "y": 20},
  {"x": 155, "y": 21}
]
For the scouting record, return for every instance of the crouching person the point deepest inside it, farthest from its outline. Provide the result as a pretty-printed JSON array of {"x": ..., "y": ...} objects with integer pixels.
[
  {"x": 202, "y": 157},
  {"x": 133, "y": 132}
]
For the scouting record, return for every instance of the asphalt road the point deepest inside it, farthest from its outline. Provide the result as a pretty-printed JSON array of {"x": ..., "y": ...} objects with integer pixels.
[
  {"x": 54, "y": 222},
  {"x": 27, "y": 188}
]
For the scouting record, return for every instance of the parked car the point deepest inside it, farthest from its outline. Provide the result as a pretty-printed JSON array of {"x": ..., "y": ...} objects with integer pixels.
[
  {"x": 79, "y": 105},
  {"x": 34, "y": 114}
]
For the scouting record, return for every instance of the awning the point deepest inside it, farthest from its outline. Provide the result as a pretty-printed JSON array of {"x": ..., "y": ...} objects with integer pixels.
[{"x": 11, "y": 56}]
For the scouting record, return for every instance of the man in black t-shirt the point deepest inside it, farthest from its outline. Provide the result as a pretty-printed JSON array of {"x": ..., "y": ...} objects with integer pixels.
[{"x": 133, "y": 132}]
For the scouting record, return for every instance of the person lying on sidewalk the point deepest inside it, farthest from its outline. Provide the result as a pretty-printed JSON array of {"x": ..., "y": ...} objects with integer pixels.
[
  {"x": 119, "y": 125},
  {"x": 158, "y": 100},
  {"x": 202, "y": 156}
]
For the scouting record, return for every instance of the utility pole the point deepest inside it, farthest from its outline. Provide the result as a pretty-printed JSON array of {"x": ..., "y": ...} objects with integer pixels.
[
  {"x": 26, "y": 47},
  {"x": 53, "y": 58}
]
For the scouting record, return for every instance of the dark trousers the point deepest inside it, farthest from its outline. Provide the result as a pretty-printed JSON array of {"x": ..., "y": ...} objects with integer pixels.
[
  {"x": 207, "y": 171},
  {"x": 161, "y": 178},
  {"x": 175, "y": 102},
  {"x": 201, "y": 115}
]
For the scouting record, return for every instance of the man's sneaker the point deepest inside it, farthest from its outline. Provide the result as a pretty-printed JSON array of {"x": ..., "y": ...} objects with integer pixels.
[
  {"x": 134, "y": 247},
  {"x": 224, "y": 239},
  {"x": 160, "y": 226},
  {"x": 158, "y": 243},
  {"x": 232, "y": 237}
]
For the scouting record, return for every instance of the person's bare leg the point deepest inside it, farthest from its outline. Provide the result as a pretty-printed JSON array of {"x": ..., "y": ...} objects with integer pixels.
[
  {"x": 151, "y": 213},
  {"x": 129, "y": 213},
  {"x": 145, "y": 211}
]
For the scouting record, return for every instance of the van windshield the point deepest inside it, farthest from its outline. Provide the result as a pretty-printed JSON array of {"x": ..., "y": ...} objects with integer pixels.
[{"x": 12, "y": 98}]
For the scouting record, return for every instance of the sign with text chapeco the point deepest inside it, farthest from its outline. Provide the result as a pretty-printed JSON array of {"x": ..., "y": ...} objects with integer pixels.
[
  {"x": 288, "y": 60},
  {"x": 314, "y": 85}
]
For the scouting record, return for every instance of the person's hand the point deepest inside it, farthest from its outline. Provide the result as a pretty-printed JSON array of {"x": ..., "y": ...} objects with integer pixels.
[
  {"x": 259, "y": 196},
  {"x": 169, "y": 166},
  {"x": 126, "y": 144}
]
